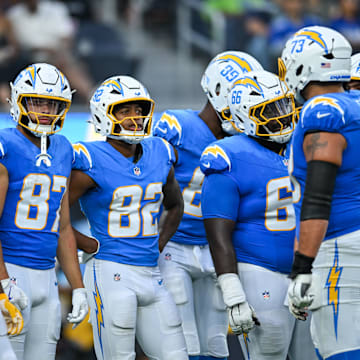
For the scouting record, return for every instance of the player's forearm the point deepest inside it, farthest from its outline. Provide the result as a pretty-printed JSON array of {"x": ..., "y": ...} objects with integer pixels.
[
  {"x": 219, "y": 253},
  {"x": 312, "y": 233},
  {"x": 219, "y": 235},
  {"x": 3, "y": 272},
  {"x": 68, "y": 259}
]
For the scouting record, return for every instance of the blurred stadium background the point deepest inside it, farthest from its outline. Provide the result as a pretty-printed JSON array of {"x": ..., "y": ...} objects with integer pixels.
[{"x": 166, "y": 44}]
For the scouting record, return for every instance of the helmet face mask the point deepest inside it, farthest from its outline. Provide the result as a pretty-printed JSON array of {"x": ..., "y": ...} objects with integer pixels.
[
  {"x": 113, "y": 94},
  {"x": 218, "y": 78},
  {"x": 38, "y": 120},
  {"x": 40, "y": 98},
  {"x": 261, "y": 105},
  {"x": 314, "y": 53}
]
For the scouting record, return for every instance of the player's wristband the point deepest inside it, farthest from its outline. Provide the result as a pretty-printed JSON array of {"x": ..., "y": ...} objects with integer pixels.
[
  {"x": 232, "y": 290},
  {"x": 5, "y": 283},
  {"x": 302, "y": 264}
]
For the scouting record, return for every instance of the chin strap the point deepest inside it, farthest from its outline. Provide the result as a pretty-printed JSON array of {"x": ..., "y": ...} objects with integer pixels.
[{"x": 43, "y": 156}]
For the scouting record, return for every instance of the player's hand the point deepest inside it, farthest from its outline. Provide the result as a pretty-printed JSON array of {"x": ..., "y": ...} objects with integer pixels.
[
  {"x": 299, "y": 296},
  {"x": 15, "y": 294},
  {"x": 242, "y": 318},
  {"x": 12, "y": 315},
  {"x": 79, "y": 307}
]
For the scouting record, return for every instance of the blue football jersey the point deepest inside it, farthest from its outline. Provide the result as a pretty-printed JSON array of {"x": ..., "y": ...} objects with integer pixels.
[
  {"x": 123, "y": 209},
  {"x": 29, "y": 225},
  {"x": 189, "y": 135},
  {"x": 338, "y": 113},
  {"x": 257, "y": 196}
]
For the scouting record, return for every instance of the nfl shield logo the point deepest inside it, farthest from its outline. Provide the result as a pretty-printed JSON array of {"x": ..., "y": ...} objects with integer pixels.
[
  {"x": 137, "y": 171},
  {"x": 167, "y": 256},
  {"x": 117, "y": 277},
  {"x": 266, "y": 295}
]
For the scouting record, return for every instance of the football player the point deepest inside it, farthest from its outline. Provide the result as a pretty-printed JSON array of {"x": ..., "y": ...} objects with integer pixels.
[
  {"x": 122, "y": 183},
  {"x": 325, "y": 168},
  {"x": 354, "y": 83},
  {"x": 186, "y": 262},
  {"x": 35, "y": 168},
  {"x": 250, "y": 221}
]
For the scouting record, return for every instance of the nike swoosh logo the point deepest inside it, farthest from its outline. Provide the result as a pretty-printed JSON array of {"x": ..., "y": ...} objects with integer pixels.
[
  {"x": 206, "y": 164},
  {"x": 164, "y": 131},
  {"x": 321, "y": 115}
]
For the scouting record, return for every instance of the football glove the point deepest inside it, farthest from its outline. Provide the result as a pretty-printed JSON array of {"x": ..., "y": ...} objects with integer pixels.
[
  {"x": 299, "y": 296},
  {"x": 12, "y": 316},
  {"x": 15, "y": 294},
  {"x": 242, "y": 317},
  {"x": 79, "y": 307}
]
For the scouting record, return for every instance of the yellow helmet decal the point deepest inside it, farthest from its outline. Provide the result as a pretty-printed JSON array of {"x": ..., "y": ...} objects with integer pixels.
[
  {"x": 314, "y": 36},
  {"x": 249, "y": 82},
  {"x": 242, "y": 63},
  {"x": 115, "y": 84},
  {"x": 32, "y": 72}
]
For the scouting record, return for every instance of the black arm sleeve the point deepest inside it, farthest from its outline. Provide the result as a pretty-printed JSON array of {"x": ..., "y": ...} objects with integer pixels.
[{"x": 319, "y": 188}]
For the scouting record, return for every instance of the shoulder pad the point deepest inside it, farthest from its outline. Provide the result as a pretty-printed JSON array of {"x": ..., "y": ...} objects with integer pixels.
[
  {"x": 81, "y": 159},
  {"x": 214, "y": 159},
  {"x": 322, "y": 113},
  {"x": 169, "y": 128}
]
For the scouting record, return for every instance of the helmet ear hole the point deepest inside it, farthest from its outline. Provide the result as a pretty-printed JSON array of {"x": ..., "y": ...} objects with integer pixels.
[
  {"x": 217, "y": 89},
  {"x": 299, "y": 70}
]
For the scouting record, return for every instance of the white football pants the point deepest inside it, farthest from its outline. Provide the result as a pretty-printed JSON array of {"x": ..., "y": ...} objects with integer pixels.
[
  {"x": 128, "y": 301},
  {"x": 335, "y": 326},
  {"x": 279, "y": 334},
  {"x": 42, "y": 316},
  {"x": 6, "y": 351},
  {"x": 189, "y": 275}
]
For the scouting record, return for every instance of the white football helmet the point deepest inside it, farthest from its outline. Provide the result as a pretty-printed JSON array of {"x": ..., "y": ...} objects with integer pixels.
[
  {"x": 355, "y": 67},
  {"x": 39, "y": 93},
  {"x": 119, "y": 90},
  {"x": 261, "y": 104},
  {"x": 314, "y": 53},
  {"x": 223, "y": 70}
]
